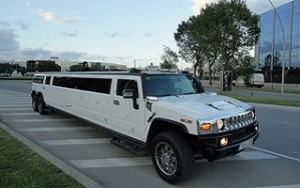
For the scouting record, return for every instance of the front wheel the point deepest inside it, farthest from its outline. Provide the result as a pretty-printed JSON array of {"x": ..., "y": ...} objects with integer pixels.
[{"x": 172, "y": 157}]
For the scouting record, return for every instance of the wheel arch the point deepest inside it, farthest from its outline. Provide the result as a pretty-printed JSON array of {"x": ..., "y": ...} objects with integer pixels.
[
  {"x": 160, "y": 125},
  {"x": 33, "y": 92}
]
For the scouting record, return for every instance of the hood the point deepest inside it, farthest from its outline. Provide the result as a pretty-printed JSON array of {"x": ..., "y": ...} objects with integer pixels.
[{"x": 204, "y": 105}]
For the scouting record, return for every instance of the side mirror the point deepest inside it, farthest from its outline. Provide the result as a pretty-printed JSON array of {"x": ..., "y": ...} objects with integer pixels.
[{"x": 131, "y": 94}]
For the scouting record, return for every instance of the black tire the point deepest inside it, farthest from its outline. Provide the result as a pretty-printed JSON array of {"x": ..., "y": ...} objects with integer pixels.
[
  {"x": 172, "y": 157},
  {"x": 41, "y": 105},
  {"x": 34, "y": 102}
]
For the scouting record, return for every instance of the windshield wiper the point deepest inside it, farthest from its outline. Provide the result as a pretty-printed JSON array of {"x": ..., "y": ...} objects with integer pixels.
[
  {"x": 189, "y": 93},
  {"x": 168, "y": 95}
]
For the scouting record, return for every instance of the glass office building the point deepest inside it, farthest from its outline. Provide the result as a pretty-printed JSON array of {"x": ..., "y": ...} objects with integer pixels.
[{"x": 279, "y": 43}]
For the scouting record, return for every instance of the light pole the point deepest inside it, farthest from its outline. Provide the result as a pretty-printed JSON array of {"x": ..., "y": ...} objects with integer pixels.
[{"x": 282, "y": 30}]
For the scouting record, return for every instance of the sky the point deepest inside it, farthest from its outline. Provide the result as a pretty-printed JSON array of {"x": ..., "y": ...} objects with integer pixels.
[{"x": 115, "y": 31}]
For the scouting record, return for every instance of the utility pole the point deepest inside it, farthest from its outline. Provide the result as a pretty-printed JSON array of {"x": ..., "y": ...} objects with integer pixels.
[
  {"x": 134, "y": 63},
  {"x": 282, "y": 30}
]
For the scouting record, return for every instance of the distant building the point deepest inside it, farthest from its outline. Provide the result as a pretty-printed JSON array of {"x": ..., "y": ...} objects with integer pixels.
[
  {"x": 101, "y": 66},
  {"x": 69, "y": 65},
  {"x": 273, "y": 47},
  {"x": 31, "y": 65},
  {"x": 152, "y": 68}
]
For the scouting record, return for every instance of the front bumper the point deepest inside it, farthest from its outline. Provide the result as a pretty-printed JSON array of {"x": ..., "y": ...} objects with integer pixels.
[{"x": 209, "y": 145}]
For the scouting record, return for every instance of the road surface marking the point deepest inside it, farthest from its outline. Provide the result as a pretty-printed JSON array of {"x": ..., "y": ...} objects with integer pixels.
[
  {"x": 112, "y": 162},
  {"x": 20, "y": 114},
  {"x": 14, "y": 109},
  {"x": 40, "y": 120},
  {"x": 281, "y": 186},
  {"x": 249, "y": 155},
  {"x": 75, "y": 141},
  {"x": 15, "y": 102},
  {"x": 275, "y": 154},
  {"x": 41, "y": 129},
  {"x": 13, "y": 105},
  {"x": 140, "y": 161}
]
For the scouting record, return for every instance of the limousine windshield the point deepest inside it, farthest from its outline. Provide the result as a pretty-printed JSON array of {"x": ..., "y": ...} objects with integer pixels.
[{"x": 171, "y": 85}]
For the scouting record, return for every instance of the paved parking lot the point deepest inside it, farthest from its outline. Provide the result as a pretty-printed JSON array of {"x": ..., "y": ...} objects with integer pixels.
[{"x": 87, "y": 151}]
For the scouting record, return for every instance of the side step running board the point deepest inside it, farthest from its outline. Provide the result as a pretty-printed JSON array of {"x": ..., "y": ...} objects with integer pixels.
[{"x": 129, "y": 146}]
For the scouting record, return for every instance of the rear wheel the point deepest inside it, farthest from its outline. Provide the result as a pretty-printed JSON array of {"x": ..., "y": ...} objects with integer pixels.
[
  {"x": 41, "y": 105},
  {"x": 172, "y": 157},
  {"x": 34, "y": 102}
]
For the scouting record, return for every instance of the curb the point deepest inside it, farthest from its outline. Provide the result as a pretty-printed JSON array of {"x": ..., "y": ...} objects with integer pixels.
[{"x": 80, "y": 177}]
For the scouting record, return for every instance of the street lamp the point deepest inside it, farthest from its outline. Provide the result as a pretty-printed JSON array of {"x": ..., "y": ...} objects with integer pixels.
[{"x": 282, "y": 30}]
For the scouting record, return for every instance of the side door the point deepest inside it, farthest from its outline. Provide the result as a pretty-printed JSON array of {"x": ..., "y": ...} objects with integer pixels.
[
  {"x": 45, "y": 87},
  {"x": 128, "y": 119}
]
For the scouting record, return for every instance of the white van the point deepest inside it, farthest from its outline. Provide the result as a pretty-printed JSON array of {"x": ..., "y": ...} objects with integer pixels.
[
  {"x": 168, "y": 115},
  {"x": 256, "y": 80}
]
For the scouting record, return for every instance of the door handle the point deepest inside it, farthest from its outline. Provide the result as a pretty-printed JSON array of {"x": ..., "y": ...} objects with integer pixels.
[{"x": 116, "y": 102}]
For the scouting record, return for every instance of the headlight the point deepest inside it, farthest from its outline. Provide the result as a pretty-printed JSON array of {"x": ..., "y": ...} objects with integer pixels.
[
  {"x": 253, "y": 114},
  {"x": 220, "y": 124}
]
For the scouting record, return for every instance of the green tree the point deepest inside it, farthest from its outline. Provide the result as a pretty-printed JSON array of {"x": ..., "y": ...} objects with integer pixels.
[
  {"x": 218, "y": 35},
  {"x": 22, "y": 70},
  {"x": 189, "y": 48},
  {"x": 7, "y": 68},
  {"x": 169, "y": 59},
  {"x": 246, "y": 69}
]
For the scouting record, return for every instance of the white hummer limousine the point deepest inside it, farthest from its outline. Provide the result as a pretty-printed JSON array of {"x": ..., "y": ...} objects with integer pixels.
[{"x": 169, "y": 116}]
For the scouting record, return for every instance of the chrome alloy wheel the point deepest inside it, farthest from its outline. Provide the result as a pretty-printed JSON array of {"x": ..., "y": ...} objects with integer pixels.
[{"x": 166, "y": 158}]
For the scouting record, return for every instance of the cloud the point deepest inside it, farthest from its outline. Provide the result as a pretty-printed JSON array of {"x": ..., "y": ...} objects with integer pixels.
[
  {"x": 256, "y": 6},
  {"x": 8, "y": 43},
  {"x": 53, "y": 18},
  {"x": 36, "y": 53},
  {"x": 114, "y": 34},
  {"x": 27, "y": 2},
  {"x": 41, "y": 53},
  {"x": 69, "y": 34},
  {"x": 10, "y": 49},
  {"x": 199, "y": 4},
  {"x": 4, "y": 24},
  {"x": 23, "y": 25},
  {"x": 148, "y": 34},
  {"x": 74, "y": 55}
]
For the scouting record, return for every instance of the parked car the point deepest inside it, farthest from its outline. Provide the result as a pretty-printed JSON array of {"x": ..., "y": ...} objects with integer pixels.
[{"x": 256, "y": 80}]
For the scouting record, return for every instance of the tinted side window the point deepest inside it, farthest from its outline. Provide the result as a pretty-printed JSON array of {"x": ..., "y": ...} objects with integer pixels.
[
  {"x": 60, "y": 81},
  {"x": 98, "y": 85},
  {"x": 126, "y": 84},
  {"x": 48, "y": 78},
  {"x": 93, "y": 84},
  {"x": 38, "y": 79}
]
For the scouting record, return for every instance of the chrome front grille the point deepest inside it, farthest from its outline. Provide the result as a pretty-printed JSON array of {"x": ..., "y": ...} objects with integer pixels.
[{"x": 238, "y": 121}]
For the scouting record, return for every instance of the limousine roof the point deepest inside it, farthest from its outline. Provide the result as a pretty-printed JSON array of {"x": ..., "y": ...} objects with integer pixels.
[{"x": 94, "y": 73}]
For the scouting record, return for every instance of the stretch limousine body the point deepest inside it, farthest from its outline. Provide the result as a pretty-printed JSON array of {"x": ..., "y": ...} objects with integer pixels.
[{"x": 168, "y": 115}]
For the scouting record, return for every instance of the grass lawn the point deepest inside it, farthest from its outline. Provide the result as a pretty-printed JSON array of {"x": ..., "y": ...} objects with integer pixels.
[
  {"x": 264, "y": 100},
  {"x": 16, "y": 78},
  {"x": 21, "y": 167},
  {"x": 276, "y": 89}
]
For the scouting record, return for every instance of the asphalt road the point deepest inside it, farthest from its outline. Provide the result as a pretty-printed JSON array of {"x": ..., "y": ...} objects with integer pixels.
[{"x": 273, "y": 162}]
